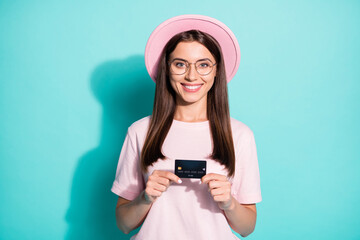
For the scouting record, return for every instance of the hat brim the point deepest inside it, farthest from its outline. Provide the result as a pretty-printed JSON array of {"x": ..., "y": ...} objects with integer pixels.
[{"x": 166, "y": 30}]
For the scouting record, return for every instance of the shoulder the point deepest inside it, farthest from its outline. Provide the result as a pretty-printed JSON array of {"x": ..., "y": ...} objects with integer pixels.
[
  {"x": 240, "y": 131},
  {"x": 140, "y": 127},
  {"x": 239, "y": 127},
  {"x": 140, "y": 124}
]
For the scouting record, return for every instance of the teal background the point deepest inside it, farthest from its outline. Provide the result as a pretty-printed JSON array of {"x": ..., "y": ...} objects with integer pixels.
[{"x": 72, "y": 79}]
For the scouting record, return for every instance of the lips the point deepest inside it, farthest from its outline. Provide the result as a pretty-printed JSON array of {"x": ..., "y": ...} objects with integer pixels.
[{"x": 191, "y": 87}]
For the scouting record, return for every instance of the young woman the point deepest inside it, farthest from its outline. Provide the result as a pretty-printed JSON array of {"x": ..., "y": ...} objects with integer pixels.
[{"x": 191, "y": 58}]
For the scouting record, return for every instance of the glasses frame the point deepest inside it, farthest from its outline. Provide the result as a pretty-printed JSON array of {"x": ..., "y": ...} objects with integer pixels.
[{"x": 187, "y": 64}]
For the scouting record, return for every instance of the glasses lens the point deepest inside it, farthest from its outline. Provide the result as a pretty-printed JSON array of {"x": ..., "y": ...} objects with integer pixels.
[
  {"x": 178, "y": 67},
  {"x": 204, "y": 67}
]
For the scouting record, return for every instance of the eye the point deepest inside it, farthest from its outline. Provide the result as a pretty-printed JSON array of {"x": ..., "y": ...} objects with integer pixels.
[
  {"x": 179, "y": 64},
  {"x": 203, "y": 64}
]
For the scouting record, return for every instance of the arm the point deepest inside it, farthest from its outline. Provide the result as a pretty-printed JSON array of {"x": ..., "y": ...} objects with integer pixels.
[
  {"x": 130, "y": 214},
  {"x": 241, "y": 217}
]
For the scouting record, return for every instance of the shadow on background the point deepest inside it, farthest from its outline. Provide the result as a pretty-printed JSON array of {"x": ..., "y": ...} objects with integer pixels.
[{"x": 125, "y": 92}]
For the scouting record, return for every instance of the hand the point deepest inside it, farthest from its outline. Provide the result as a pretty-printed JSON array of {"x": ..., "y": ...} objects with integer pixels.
[
  {"x": 157, "y": 183},
  {"x": 220, "y": 189}
]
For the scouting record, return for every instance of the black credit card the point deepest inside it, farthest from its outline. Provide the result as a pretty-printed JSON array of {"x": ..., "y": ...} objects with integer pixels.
[{"x": 190, "y": 168}]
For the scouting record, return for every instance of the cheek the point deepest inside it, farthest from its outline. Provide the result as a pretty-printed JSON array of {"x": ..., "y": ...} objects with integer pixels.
[
  {"x": 211, "y": 85},
  {"x": 213, "y": 75},
  {"x": 175, "y": 78},
  {"x": 211, "y": 79},
  {"x": 174, "y": 83}
]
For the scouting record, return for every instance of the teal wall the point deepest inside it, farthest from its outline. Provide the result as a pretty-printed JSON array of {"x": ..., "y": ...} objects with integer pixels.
[{"x": 72, "y": 79}]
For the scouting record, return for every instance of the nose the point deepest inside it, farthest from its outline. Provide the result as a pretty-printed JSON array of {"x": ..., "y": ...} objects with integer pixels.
[{"x": 191, "y": 73}]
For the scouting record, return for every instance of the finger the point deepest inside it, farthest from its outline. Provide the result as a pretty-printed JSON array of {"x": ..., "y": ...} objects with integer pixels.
[
  {"x": 222, "y": 198},
  {"x": 157, "y": 186},
  {"x": 213, "y": 176},
  {"x": 219, "y": 191},
  {"x": 153, "y": 193},
  {"x": 169, "y": 175},
  {"x": 219, "y": 184},
  {"x": 215, "y": 184},
  {"x": 160, "y": 180},
  {"x": 164, "y": 181}
]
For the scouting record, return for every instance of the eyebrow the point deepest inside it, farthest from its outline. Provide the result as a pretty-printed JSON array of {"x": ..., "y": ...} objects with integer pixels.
[{"x": 202, "y": 59}]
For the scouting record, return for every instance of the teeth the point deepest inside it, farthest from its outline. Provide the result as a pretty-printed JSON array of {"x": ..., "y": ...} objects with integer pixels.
[{"x": 192, "y": 87}]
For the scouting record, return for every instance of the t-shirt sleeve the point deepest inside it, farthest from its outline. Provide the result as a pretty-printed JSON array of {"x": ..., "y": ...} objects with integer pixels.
[
  {"x": 128, "y": 181},
  {"x": 246, "y": 181}
]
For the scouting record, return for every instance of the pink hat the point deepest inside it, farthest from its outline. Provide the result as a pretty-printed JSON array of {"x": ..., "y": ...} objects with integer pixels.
[{"x": 166, "y": 30}]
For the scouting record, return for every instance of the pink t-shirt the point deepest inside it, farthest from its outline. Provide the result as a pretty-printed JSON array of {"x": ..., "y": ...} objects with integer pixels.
[{"x": 187, "y": 210}]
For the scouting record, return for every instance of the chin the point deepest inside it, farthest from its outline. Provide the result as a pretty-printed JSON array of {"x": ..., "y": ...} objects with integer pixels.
[{"x": 190, "y": 100}]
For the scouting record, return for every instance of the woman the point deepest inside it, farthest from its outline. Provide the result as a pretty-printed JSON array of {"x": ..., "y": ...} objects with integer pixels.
[{"x": 191, "y": 59}]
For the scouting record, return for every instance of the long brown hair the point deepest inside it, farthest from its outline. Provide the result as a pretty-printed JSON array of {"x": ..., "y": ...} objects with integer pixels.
[{"x": 165, "y": 104}]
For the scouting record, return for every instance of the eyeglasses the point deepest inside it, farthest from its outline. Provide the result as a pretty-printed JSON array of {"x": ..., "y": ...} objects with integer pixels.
[{"x": 202, "y": 66}]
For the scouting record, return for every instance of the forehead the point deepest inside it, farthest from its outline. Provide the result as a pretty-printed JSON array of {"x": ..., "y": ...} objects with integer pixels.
[{"x": 191, "y": 51}]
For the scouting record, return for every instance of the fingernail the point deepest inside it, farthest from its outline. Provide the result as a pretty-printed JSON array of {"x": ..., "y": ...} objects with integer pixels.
[
  {"x": 179, "y": 181},
  {"x": 200, "y": 182}
]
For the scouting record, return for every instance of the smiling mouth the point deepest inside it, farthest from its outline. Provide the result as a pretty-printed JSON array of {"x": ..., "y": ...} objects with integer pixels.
[{"x": 191, "y": 88}]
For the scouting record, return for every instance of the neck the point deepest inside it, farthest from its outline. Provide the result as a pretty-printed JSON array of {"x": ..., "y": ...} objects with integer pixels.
[{"x": 194, "y": 112}]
